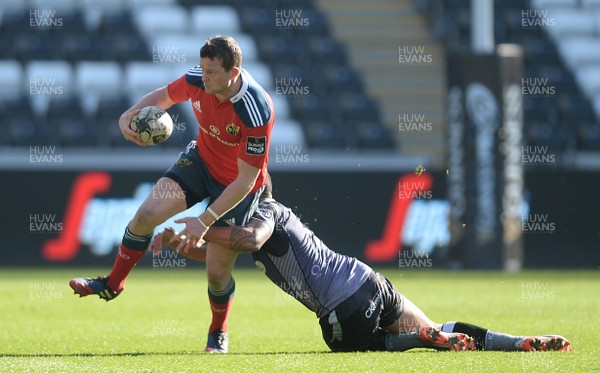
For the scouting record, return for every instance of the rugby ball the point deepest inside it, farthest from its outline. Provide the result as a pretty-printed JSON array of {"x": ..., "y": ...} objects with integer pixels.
[{"x": 153, "y": 124}]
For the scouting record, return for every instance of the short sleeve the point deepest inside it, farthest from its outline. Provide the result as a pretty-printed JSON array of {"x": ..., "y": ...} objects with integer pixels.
[
  {"x": 255, "y": 143},
  {"x": 178, "y": 90}
]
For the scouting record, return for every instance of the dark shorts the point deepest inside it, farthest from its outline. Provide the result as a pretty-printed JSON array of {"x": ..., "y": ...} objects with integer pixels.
[
  {"x": 192, "y": 175},
  {"x": 356, "y": 324}
]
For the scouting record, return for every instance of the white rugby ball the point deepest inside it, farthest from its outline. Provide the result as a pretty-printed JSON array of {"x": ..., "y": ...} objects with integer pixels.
[{"x": 153, "y": 124}]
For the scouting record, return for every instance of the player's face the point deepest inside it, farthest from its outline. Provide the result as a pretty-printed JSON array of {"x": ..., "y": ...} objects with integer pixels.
[{"x": 216, "y": 80}]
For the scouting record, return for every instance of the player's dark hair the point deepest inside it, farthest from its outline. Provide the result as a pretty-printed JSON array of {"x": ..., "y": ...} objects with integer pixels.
[{"x": 223, "y": 48}]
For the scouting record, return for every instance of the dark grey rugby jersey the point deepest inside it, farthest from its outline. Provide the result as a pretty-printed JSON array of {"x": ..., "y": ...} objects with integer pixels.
[{"x": 297, "y": 261}]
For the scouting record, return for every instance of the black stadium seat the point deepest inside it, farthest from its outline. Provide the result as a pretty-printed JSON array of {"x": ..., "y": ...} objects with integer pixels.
[
  {"x": 130, "y": 48},
  {"x": 373, "y": 136},
  {"x": 325, "y": 135},
  {"x": 108, "y": 33},
  {"x": 89, "y": 47},
  {"x": 326, "y": 51},
  {"x": 30, "y": 132},
  {"x": 76, "y": 133},
  {"x": 38, "y": 46}
]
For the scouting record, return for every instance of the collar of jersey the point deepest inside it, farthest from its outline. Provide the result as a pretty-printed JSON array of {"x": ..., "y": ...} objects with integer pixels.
[{"x": 238, "y": 96}]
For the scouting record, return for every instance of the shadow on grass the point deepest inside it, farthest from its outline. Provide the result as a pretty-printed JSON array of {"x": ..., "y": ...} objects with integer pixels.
[{"x": 168, "y": 353}]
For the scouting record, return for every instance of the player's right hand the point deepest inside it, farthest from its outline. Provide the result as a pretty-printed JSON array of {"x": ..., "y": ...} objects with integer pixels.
[
  {"x": 128, "y": 133},
  {"x": 162, "y": 239}
]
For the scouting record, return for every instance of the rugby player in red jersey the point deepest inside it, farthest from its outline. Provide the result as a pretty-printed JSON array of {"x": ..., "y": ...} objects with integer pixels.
[{"x": 227, "y": 162}]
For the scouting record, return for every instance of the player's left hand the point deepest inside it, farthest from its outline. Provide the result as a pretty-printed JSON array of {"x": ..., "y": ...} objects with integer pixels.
[{"x": 191, "y": 236}]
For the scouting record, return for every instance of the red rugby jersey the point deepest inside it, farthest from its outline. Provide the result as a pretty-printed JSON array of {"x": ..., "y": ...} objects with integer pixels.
[{"x": 238, "y": 128}]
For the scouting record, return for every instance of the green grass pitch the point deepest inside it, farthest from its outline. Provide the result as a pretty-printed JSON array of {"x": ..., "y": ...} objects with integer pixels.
[{"x": 159, "y": 323}]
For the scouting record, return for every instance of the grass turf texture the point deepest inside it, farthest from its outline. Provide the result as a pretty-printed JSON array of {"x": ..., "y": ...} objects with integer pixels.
[{"x": 160, "y": 322}]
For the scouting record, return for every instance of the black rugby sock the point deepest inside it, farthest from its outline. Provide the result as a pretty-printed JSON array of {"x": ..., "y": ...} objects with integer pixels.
[{"x": 485, "y": 339}]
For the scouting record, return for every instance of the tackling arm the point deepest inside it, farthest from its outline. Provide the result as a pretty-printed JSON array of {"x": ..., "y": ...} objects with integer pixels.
[{"x": 247, "y": 238}]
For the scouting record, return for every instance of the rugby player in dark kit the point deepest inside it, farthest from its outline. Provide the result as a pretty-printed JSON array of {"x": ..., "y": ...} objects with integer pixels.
[{"x": 358, "y": 308}]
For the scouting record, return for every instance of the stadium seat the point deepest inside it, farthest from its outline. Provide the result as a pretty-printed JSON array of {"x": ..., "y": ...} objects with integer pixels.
[
  {"x": 212, "y": 20},
  {"x": 374, "y": 136},
  {"x": 138, "y": 4},
  {"x": 591, "y": 4},
  {"x": 94, "y": 11},
  {"x": 183, "y": 127},
  {"x": 291, "y": 77},
  {"x": 572, "y": 22},
  {"x": 161, "y": 19},
  {"x": 326, "y": 51},
  {"x": 287, "y": 133},
  {"x": 47, "y": 79},
  {"x": 537, "y": 48},
  {"x": 117, "y": 23},
  {"x": 72, "y": 128},
  {"x": 109, "y": 110},
  {"x": 95, "y": 80},
  {"x": 15, "y": 21},
  {"x": 261, "y": 73},
  {"x": 325, "y": 135},
  {"x": 131, "y": 48},
  {"x": 343, "y": 79},
  {"x": 257, "y": 21},
  {"x": 76, "y": 133},
  {"x": 596, "y": 104},
  {"x": 316, "y": 23},
  {"x": 580, "y": 51},
  {"x": 296, "y": 4},
  {"x": 544, "y": 134},
  {"x": 89, "y": 47},
  {"x": 277, "y": 50},
  {"x": 29, "y": 133},
  {"x": 14, "y": 7},
  {"x": 589, "y": 80},
  {"x": 546, "y": 4},
  {"x": 37, "y": 46},
  {"x": 144, "y": 77},
  {"x": 282, "y": 107},
  {"x": 60, "y": 107},
  {"x": 356, "y": 107},
  {"x": 314, "y": 108},
  {"x": 72, "y": 22},
  {"x": 58, "y": 5},
  {"x": 248, "y": 46},
  {"x": 542, "y": 109},
  {"x": 7, "y": 49},
  {"x": 574, "y": 109},
  {"x": 589, "y": 137},
  {"x": 16, "y": 108},
  {"x": 11, "y": 79}
]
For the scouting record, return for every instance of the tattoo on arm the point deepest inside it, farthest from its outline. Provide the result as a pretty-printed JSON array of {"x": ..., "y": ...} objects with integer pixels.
[
  {"x": 251, "y": 237},
  {"x": 242, "y": 240}
]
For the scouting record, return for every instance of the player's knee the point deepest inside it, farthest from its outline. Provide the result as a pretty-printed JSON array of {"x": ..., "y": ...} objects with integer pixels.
[
  {"x": 146, "y": 216},
  {"x": 218, "y": 274}
]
